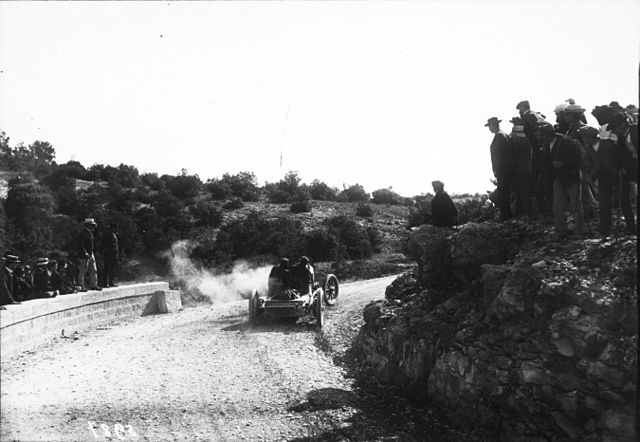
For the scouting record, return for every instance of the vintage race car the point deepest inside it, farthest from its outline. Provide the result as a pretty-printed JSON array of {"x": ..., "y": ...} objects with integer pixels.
[{"x": 286, "y": 302}]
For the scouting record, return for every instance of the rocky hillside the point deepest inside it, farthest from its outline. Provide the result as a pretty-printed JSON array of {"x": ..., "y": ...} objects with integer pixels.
[{"x": 515, "y": 335}]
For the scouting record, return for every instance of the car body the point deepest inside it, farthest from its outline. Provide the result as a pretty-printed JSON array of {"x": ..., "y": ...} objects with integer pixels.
[{"x": 286, "y": 302}]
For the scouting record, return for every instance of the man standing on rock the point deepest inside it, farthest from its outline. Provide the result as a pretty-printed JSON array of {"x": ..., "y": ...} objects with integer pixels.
[
  {"x": 563, "y": 160},
  {"x": 502, "y": 164},
  {"x": 88, "y": 277}
]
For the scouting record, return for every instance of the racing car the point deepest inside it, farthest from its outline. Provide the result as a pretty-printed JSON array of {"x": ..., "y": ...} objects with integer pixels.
[{"x": 295, "y": 301}]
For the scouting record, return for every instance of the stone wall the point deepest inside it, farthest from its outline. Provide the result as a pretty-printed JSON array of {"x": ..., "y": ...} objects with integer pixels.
[
  {"x": 519, "y": 338},
  {"x": 35, "y": 322}
]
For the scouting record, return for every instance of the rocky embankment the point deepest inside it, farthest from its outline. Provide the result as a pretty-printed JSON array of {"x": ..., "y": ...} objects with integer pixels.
[{"x": 514, "y": 335}]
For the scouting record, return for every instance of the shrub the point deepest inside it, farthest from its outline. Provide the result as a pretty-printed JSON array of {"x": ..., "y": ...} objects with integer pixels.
[
  {"x": 235, "y": 203},
  {"x": 386, "y": 196},
  {"x": 355, "y": 239},
  {"x": 364, "y": 210},
  {"x": 218, "y": 189},
  {"x": 206, "y": 214},
  {"x": 301, "y": 206},
  {"x": 321, "y": 191},
  {"x": 322, "y": 245},
  {"x": 355, "y": 193},
  {"x": 185, "y": 186},
  {"x": 421, "y": 213},
  {"x": 476, "y": 208},
  {"x": 287, "y": 190}
]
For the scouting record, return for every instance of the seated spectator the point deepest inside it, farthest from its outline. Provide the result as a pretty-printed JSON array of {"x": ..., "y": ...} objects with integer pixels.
[
  {"x": 66, "y": 284},
  {"x": 23, "y": 282},
  {"x": 42, "y": 280},
  {"x": 7, "y": 280},
  {"x": 443, "y": 211}
]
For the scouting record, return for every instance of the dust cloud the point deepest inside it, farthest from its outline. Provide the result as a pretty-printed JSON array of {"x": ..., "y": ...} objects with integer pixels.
[{"x": 218, "y": 287}]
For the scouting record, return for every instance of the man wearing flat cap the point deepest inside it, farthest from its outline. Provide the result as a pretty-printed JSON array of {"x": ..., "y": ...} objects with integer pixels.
[
  {"x": 502, "y": 164},
  {"x": 562, "y": 159},
  {"x": 7, "y": 280},
  {"x": 88, "y": 277}
]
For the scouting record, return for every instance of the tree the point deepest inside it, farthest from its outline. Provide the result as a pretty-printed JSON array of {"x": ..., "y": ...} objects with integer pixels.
[
  {"x": 29, "y": 207},
  {"x": 354, "y": 194}
]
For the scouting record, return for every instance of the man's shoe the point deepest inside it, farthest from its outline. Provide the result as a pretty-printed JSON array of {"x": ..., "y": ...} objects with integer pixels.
[{"x": 96, "y": 288}]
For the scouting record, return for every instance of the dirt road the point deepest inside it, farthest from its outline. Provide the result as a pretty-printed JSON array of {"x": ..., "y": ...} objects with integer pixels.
[{"x": 203, "y": 373}]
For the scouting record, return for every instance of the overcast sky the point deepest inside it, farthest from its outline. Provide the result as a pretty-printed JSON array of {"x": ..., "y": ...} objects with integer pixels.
[{"x": 377, "y": 93}]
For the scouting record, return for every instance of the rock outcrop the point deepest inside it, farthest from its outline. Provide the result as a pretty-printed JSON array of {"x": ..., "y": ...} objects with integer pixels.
[{"x": 519, "y": 338}]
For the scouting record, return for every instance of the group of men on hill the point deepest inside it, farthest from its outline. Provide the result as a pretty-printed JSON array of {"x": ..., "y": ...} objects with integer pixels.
[
  {"x": 54, "y": 275},
  {"x": 547, "y": 167}
]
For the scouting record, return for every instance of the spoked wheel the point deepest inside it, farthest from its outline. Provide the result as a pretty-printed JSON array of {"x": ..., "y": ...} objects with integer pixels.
[
  {"x": 253, "y": 308},
  {"x": 331, "y": 289},
  {"x": 318, "y": 311}
]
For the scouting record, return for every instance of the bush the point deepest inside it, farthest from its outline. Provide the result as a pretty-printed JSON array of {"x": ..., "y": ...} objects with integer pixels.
[
  {"x": 235, "y": 203},
  {"x": 476, "y": 208},
  {"x": 185, "y": 186},
  {"x": 287, "y": 190},
  {"x": 219, "y": 190},
  {"x": 355, "y": 194},
  {"x": 322, "y": 192},
  {"x": 354, "y": 238},
  {"x": 322, "y": 245},
  {"x": 301, "y": 206},
  {"x": 386, "y": 196},
  {"x": 206, "y": 214},
  {"x": 421, "y": 213},
  {"x": 364, "y": 210}
]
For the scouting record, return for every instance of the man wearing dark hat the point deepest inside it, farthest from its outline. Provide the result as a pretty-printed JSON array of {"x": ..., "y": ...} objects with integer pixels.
[
  {"x": 88, "y": 277},
  {"x": 279, "y": 277},
  {"x": 7, "y": 281},
  {"x": 563, "y": 161},
  {"x": 42, "y": 279},
  {"x": 627, "y": 144},
  {"x": 502, "y": 163},
  {"x": 111, "y": 253},
  {"x": 302, "y": 275},
  {"x": 443, "y": 211}
]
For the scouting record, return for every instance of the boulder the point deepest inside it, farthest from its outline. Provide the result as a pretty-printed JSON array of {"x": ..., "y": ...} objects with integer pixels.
[
  {"x": 430, "y": 247},
  {"x": 402, "y": 287},
  {"x": 518, "y": 292}
]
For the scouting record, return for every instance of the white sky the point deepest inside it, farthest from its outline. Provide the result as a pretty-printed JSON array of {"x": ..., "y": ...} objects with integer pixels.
[{"x": 379, "y": 93}]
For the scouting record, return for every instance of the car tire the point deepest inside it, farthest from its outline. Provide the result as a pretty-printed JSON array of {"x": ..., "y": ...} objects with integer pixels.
[{"x": 331, "y": 289}]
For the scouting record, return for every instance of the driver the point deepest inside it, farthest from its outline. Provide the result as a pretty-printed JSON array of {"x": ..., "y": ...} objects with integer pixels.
[
  {"x": 279, "y": 277},
  {"x": 303, "y": 275}
]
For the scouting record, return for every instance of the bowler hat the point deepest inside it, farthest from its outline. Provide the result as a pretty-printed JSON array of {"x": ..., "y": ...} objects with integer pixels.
[
  {"x": 588, "y": 132},
  {"x": 523, "y": 103},
  {"x": 493, "y": 120}
]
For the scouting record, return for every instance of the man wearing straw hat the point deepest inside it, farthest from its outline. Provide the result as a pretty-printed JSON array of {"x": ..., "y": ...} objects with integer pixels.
[{"x": 88, "y": 278}]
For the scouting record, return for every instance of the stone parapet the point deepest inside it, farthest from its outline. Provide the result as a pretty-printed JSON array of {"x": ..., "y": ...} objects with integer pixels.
[{"x": 36, "y": 322}]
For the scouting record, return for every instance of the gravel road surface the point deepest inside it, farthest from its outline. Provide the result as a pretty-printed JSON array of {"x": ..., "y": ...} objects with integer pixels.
[{"x": 204, "y": 374}]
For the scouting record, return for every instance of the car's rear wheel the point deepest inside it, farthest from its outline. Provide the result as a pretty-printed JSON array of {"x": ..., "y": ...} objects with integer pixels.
[
  {"x": 319, "y": 312},
  {"x": 331, "y": 289},
  {"x": 253, "y": 308}
]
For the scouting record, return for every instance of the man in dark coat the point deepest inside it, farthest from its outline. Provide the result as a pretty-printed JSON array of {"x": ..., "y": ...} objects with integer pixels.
[
  {"x": 88, "y": 277},
  {"x": 627, "y": 148},
  {"x": 563, "y": 160},
  {"x": 502, "y": 164},
  {"x": 522, "y": 167},
  {"x": 42, "y": 283},
  {"x": 7, "y": 281},
  {"x": 279, "y": 277},
  {"x": 302, "y": 275},
  {"x": 443, "y": 211},
  {"x": 111, "y": 251}
]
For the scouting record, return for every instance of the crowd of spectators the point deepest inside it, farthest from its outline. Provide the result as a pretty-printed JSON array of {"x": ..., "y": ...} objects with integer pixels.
[
  {"x": 55, "y": 274},
  {"x": 544, "y": 168}
]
